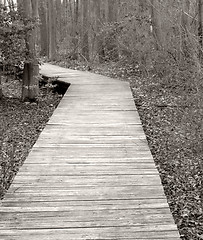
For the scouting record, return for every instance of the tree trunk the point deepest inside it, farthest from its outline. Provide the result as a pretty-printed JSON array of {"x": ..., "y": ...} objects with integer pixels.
[
  {"x": 85, "y": 29},
  {"x": 185, "y": 28},
  {"x": 111, "y": 42},
  {"x": 43, "y": 29},
  {"x": 1, "y": 71},
  {"x": 1, "y": 93},
  {"x": 156, "y": 24},
  {"x": 75, "y": 30},
  {"x": 100, "y": 41},
  {"x": 200, "y": 28},
  {"x": 52, "y": 29},
  {"x": 59, "y": 20},
  {"x": 30, "y": 88}
]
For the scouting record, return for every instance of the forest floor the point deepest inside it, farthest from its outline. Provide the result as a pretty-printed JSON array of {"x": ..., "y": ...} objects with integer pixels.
[
  {"x": 20, "y": 126},
  {"x": 171, "y": 111}
]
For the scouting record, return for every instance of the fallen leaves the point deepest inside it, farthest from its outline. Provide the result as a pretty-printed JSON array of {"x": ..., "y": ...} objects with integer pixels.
[{"x": 20, "y": 126}]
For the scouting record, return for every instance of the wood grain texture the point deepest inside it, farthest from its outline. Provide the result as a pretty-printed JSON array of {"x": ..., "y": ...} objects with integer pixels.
[{"x": 90, "y": 175}]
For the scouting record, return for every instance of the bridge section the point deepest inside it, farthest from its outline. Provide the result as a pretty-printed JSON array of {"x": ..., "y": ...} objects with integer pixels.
[{"x": 90, "y": 175}]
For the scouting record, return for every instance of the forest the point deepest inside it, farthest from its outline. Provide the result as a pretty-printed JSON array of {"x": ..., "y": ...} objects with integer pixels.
[{"x": 155, "y": 45}]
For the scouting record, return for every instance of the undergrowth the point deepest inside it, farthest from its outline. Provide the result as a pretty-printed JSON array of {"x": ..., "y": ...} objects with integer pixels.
[{"x": 20, "y": 125}]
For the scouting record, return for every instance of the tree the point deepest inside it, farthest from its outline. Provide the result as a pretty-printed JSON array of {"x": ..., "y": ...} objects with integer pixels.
[
  {"x": 156, "y": 23},
  {"x": 112, "y": 17},
  {"x": 85, "y": 29},
  {"x": 12, "y": 39},
  {"x": 30, "y": 86},
  {"x": 75, "y": 30},
  {"x": 200, "y": 26},
  {"x": 100, "y": 43},
  {"x": 51, "y": 29},
  {"x": 43, "y": 28},
  {"x": 1, "y": 93},
  {"x": 185, "y": 27}
]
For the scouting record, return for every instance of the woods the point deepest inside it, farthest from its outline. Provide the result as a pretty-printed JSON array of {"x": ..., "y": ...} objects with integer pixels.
[
  {"x": 141, "y": 32},
  {"x": 155, "y": 45}
]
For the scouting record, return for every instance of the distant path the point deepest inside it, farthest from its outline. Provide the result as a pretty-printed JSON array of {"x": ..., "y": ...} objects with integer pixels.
[{"x": 90, "y": 174}]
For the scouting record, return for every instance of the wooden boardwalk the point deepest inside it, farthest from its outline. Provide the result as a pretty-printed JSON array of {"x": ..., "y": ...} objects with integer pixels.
[{"x": 90, "y": 175}]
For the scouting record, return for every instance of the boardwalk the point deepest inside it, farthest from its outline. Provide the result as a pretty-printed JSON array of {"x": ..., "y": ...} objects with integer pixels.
[{"x": 90, "y": 175}]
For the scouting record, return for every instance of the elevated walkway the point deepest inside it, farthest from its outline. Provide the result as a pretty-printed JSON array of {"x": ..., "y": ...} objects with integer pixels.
[{"x": 90, "y": 175}]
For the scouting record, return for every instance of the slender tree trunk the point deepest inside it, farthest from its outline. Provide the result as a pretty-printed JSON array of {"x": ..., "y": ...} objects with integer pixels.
[
  {"x": 100, "y": 41},
  {"x": 59, "y": 20},
  {"x": 185, "y": 27},
  {"x": 111, "y": 43},
  {"x": 43, "y": 29},
  {"x": 200, "y": 27},
  {"x": 85, "y": 29},
  {"x": 1, "y": 73},
  {"x": 75, "y": 30},
  {"x": 156, "y": 23},
  {"x": 1, "y": 92},
  {"x": 30, "y": 87},
  {"x": 52, "y": 29}
]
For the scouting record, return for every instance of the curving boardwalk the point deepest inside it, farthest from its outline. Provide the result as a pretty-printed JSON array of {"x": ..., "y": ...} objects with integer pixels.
[{"x": 90, "y": 175}]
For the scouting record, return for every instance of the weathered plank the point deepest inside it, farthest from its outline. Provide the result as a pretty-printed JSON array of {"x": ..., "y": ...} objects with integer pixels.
[
  {"x": 90, "y": 175},
  {"x": 163, "y": 232},
  {"x": 69, "y": 182},
  {"x": 33, "y": 206}
]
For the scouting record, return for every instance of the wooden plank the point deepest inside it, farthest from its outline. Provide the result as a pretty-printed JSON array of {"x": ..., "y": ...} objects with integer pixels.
[
  {"x": 74, "y": 119},
  {"x": 85, "y": 219},
  {"x": 61, "y": 138},
  {"x": 140, "y": 232},
  {"x": 98, "y": 153},
  {"x": 31, "y": 206},
  {"x": 137, "y": 145},
  {"x": 84, "y": 181},
  {"x": 86, "y": 170},
  {"x": 32, "y": 159},
  {"x": 88, "y": 129},
  {"x": 123, "y": 192}
]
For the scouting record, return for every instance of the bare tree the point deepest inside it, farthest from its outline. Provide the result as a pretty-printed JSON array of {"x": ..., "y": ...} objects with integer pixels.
[
  {"x": 85, "y": 29},
  {"x": 156, "y": 23},
  {"x": 75, "y": 29},
  {"x": 51, "y": 29},
  {"x": 200, "y": 24},
  {"x": 100, "y": 40},
  {"x": 43, "y": 28},
  {"x": 112, "y": 15},
  {"x": 1, "y": 93}
]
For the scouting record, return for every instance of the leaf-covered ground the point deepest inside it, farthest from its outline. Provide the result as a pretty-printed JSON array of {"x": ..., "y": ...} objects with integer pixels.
[
  {"x": 171, "y": 110},
  {"x": 20, "y": 126}
]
